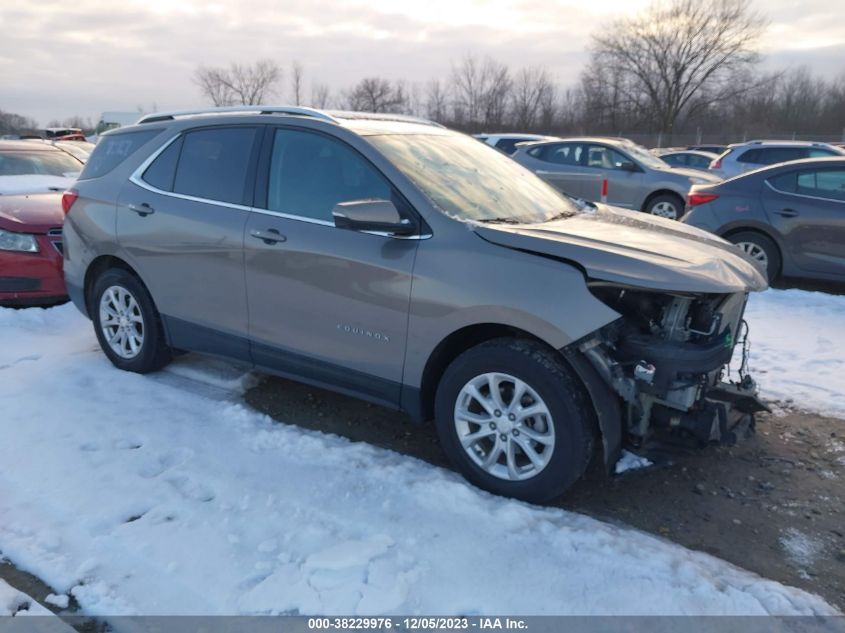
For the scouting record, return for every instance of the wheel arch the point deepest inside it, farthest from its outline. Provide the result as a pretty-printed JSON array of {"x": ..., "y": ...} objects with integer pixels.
[
  {"x": 419, "y": 404},
  {"x": 771, "y": 235}
]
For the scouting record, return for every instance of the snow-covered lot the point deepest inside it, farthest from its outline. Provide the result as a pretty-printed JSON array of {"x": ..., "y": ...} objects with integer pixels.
[{"x": 164, "y": 495}]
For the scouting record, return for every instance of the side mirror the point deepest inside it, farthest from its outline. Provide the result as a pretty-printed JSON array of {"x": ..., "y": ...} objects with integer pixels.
[
  {"x": 371, "y": 215},
  {"x": 627, "y": 165}
]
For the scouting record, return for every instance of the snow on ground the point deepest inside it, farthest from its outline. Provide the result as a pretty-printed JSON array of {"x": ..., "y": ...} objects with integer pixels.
[
  {"x": 17, "y": 603},
  {"x": 798, "y": 348},
  {"x": 629, "y": 461},
  {"x": 163, "y": 495}
]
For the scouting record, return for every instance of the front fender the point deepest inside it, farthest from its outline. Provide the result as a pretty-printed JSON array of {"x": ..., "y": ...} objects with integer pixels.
[{"x": 544, "y": 297}]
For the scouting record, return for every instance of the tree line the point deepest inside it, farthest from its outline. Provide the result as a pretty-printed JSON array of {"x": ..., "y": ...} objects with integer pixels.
[{"x": 678, "y": 69}]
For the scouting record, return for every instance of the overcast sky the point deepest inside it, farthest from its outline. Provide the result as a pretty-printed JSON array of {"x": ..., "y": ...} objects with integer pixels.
[{"x": 64, "y": 57}]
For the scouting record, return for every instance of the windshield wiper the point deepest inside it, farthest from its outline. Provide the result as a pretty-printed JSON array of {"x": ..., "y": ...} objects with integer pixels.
[{"x": 501, "y": 221}]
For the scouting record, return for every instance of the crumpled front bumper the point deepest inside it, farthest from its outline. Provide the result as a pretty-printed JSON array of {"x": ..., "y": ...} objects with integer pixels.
[{"x": 666, "y": 375}]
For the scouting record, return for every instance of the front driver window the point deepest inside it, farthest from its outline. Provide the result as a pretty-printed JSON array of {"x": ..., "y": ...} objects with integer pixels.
[
  {"x": 310, "y": 173},
  {"x": 603, "y": 157}
]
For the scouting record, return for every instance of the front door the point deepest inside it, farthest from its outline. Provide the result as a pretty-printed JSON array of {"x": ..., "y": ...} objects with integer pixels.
[
  {"x": 623, "y": 186},
  {"x": 326, "y": 305}
]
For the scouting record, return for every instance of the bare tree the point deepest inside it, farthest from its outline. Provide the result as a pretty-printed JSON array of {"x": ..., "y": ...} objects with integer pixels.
[
  {"x": 531, "y": 86},
  {"x": 436, "y": 101},
  {"x": 320, "y": 96},
  {"x": 376, "y": 94},
  {"x": 680, "y": 56},
  {"x": 239, "y": 84},
  {"x": 481, "y": 89},
  {"x": 296, "y": 73},
  {"x": 11, "y": 123}
]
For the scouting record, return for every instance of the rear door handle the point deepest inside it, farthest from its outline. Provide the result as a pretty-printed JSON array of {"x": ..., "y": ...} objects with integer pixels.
[
  {"x": 270, "y": 236},
  {"x": 142, "y": 209},
  {"x": 787, "y": 213}
]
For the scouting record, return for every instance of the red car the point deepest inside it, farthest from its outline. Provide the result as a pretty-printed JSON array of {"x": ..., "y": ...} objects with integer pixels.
[{"x": 32, "y": 178}]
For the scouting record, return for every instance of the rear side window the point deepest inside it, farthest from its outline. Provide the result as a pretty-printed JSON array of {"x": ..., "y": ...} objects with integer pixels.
[
  {"x": 783, "y": 154},
  {"x": 162, "y": 172},
  {"x": 112, "y": 150},
  {"x": 564, "y": 154},
  {"x": 508, "y": 145},
  {"x": 751, "y": 156},
  {"x": 213, "y": 163},
  {"x": 676, "y": 160},
  {"x": 785, "y": 182}
]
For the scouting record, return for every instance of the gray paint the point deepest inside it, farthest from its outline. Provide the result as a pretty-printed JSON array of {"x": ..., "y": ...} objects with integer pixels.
[
  {"x": 324, "y": 293},
  {"x": 811, "y": 242}
]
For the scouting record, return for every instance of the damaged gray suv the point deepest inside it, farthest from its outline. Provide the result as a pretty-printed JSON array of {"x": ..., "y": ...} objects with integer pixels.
[{"x": 400, "y": 262}]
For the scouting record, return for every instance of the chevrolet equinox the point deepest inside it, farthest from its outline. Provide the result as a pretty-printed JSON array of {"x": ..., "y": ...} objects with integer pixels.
[{"x": 409, "y": 265}]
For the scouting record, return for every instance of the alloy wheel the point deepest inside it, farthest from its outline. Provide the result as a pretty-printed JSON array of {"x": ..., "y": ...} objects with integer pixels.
[
  {"x": 665, "y": 209},
  {"x": 755, "y": 252},
  {"x": 504, "y": 426},
  {"x": 121, "y": 322}
]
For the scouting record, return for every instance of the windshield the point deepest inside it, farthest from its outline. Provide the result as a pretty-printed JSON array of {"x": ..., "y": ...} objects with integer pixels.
[
  {"x": 472, "y": 181},
  {"x": 644, "y": 156},
  {"x": 43, "y": 163}
]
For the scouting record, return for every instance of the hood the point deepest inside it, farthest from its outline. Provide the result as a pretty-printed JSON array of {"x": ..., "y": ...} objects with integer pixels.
[
  {"x": 33, "y": 213},
  {"x": 702, "y": 177},
  {"x": 636, "y": 249}
]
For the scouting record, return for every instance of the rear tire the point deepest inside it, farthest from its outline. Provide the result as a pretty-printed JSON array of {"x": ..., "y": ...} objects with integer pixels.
[
  {"x": 666, "y": 205},
  {"x": 530, "y": 439},
  {"x": 127, "y": 324},
  {"x": 761, "y": 249}
]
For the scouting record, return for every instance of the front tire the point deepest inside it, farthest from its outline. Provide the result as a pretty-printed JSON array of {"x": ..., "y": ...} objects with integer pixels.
[
  {"x": 127, "y": 324},
  {"x": 666, "y": 205},
  {"x": 514, "y": 420}
]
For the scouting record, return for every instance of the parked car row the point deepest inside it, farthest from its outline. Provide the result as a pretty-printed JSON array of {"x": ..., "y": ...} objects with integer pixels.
[
  {"x": 612, "y": 170},
  {"x": 33, "y": 176}
]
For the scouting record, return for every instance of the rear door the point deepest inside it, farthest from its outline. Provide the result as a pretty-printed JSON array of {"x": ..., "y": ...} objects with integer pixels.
[
  {"x": 326, "y": 305},
  {"x": 808, "y": 208},
  {"x": 181, "y": 220}
]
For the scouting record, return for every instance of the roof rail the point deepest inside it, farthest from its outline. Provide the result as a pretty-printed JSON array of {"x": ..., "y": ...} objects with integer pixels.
[
  {"x": 380, "y": 116},
  {"x": 245, "y": 109}
]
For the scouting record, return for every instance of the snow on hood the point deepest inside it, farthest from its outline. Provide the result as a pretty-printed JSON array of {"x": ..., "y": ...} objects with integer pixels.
[
  {"x": 636, "y": 249},
  {"x": 34, "y": 183}
]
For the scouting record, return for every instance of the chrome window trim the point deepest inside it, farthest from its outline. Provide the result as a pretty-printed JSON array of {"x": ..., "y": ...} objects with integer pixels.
[
  {"x": 800, "y": 195},
  {"x": 137, "y": 179}
]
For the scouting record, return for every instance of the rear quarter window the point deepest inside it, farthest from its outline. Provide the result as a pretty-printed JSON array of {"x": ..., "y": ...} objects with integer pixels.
[{"x": 112, "y": 150}]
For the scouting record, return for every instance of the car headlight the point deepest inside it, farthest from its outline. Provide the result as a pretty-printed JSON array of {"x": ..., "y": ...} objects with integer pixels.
[{"x": 18, "y": 242}]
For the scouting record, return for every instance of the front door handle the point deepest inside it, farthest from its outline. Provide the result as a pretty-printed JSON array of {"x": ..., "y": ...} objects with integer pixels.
[
  {"x": 787, "y": 213},
  {"x": 142, "y": 209},
  {"x": 270, "y": 236}
]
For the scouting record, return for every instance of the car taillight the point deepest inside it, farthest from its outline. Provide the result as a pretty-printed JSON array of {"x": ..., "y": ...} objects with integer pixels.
[
  {"x": 695, "y": 199},
  {"x": 68, "y": 198},
  {"x": 716, "y": 164}
]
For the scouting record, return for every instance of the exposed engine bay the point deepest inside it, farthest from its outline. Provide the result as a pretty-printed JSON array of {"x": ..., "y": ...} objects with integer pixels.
[{"x": 668, "y": 360}]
